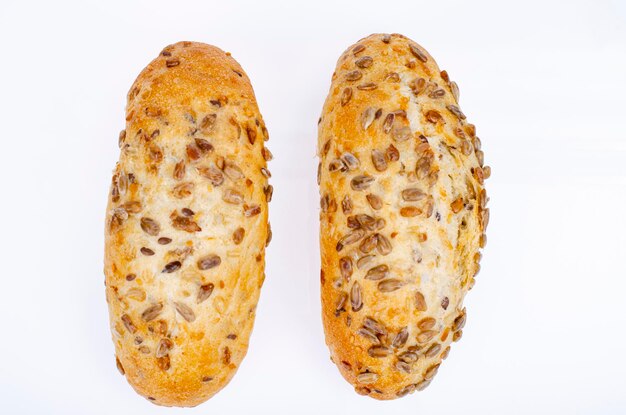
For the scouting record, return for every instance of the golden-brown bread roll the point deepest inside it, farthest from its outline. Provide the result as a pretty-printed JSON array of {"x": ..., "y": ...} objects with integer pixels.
[
  {"x": 186, "y": 225},
  {"x": 402, "y": 215}
]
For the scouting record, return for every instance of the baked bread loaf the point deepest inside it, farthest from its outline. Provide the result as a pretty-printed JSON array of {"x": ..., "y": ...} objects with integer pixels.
[
  {"x": 186, "y": 225},
  {"x": 402, "y": 215}
]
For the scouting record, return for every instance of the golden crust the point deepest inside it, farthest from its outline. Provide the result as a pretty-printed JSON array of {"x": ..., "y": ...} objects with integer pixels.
[
  {"x": 186, "y": 225},
  {"x": 402, "y": 215}
]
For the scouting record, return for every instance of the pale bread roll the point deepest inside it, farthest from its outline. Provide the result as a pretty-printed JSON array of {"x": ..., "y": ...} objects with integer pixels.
[
  {"x": 402, "y": 215},
  {"x": 186, "y": 225}
]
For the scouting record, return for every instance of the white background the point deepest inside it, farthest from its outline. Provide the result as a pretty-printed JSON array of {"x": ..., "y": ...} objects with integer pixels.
[{"x": 544, "y": 82}]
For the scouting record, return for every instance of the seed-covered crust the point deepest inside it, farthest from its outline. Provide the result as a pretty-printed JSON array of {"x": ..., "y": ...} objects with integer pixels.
[
  {"x": 402, "y": 215},
  {"x": 186, "y": 225}
]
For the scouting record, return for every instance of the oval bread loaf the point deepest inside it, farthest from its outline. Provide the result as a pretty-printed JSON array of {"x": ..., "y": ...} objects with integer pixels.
[
  {"x": 186, "y": 225},
  {"x": 402, "y": 215}
]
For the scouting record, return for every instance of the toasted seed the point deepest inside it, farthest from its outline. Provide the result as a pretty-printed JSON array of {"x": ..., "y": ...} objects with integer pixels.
[
  {"x": 410, "y": 211},
  {"x": 368, "y": 86},
  {"x": 408, "y": 357},
  {"x": 354, "y": 75},
  {"x": 350, "y": 238},
  {"x": 267, "y": 154},
  {"x": 420, "y": 302},
  {"x": 269, "y": 192},
  {"x": 486, "y": 172},
  {"x": 400, "y": 340},
  {"x": 455, "y": 91},
  {"x": 341, "y": 301},
  {"x": 204, "y": 292},
  {"x": 345, "y": 266},
  {"x": 254, "y": 210},
  {"x": 128, "y": 323},
  {"x": 203, "y": 145},
  {"x": 445, "y": 302},
  {"x": 215, "y": 175},
  {"x": 266, "y": 173},
  {"x": 361, "y": 182},
  {"x": 209, "y": 261},
  {"x": 131, "y": 206},
  {"x": 365, "y": 261},
  {"x": 431, "y": 371},
  {"x": 120, "y": 368},
  {"x": 457, "y": 205},
  {"x": 164, "y": 347},
  {"x": 238, "y": 235},
  {"x": 375, "y": 201},
  {"x": 368, "y": 244},
  {"x": 456, "y": 111},
  {"x": 346, "y": 94},
  {"x": 433, "y": 350},
  {"x": 426, "y": 336},
  {"x": 150, "y": 226},
  {"x": 170, "y": 63},
  {"x": 151, "y": 312},
  {"x": 466, "y": 147},
  {"x": 422, "y": 385},
  {"x": 185, "y": 224},
  {"x": 374, "y": 326},
  {"x": 356, "y": 299},
  {"x": 378, "y": 160},
  {"x": 386, "y": 38},
  {"x": 378, "y": 272},
  {"x": 368, "y": 334},
  {"x": 337, "y": 165},
  {"x": 183, "y": 190},
  {"x": 392, "y": 153},
  {"x": 350, "y": 161},
  {"x": 364, "y": 62},
  {"x": 401, "y": 134},
  {"x": 413, "y": 194},
  {"x": 346, "y": 205},
  {"x": 405, "y": 391},
  {"x": 131, "y": 277},
  {"x": 185, "y": 311},
  {"x": 402, "y": 366},
  {"x": 164, "y": 362},
  {"x": 367, "y": 377},
  {"x": 383, "y": 245},
  {"x": 459, "y": 322},
  {"x": 417, "y": 52},
  {"x": 426, "y": 323},
  {"x": 367, "y": 117},
  {"x": 164, "y": 241},
  {"x": 358, "y": 49},
  {"x": 390, "y": 285},
  {"x": 392, "y": 77},
  {"x": 232, "y": 196},
  {"x": 147, "y": 251},
  {"x": 379, "y": 351},
  {"x": 457, "y": 336},
  {"x": 171, "y": 267},
  {"x": 433, "y": 116},
  {"x": 179, "y": 170},
  {"x": 364, "y": 221},
  {"x": 437, "y": 93},
  {"x": 232, "y": 171},
  {"x": 388, "y": 123},
  {"x": 417, "y": 85}
]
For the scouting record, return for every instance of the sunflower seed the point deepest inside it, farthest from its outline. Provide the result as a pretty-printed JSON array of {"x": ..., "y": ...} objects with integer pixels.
[
  {"x": 413, "y": 194},
  {"x": 375, "y": 201},
  {"x": 420, "y": 302},
  {"x": 374, "y": 326},
  {"x": 392, "y": 77},
  {"x": 254, "y": 210},
  {"x": 368, "y": 335},
  {"x": 209, "y": 261},
  {"x": 437, "y": 93},
  {"x": 378, "y": 160},
  {"x": 383, "y": 246},
  {"x": 388, "y": 123},
  {"x": 203, "y": 145},
  {"x": 128, "y": 323},
  {"x": 171, "y": 267},
  {"x": 350, "y": 160},
  {"x": 346, "y": 94},
  {"x": 405, "y": 391},
  {"x": 185, "y": 224},
  {"x": 392, "y": 153},
  {"x": 183, "y": 190},
  {"x": 368, "y": 86},
  {"x": 346, "y": 205},
  {"x": 179, "y": 170},
  {"x": 379, "y": 351},
  {"x": 377, "y": 273},
  {"x": 403, "y": 366},
  {"x": 345, "y": 266},
  {"x": 337, "y": 165},
  {"x": 364, "y": 62},
  {"x": 238, "y": 235},
  {"x": 350, "y": 238},
  {"x": 367, "y": 377},
  {"x": 400, "y": 340},
  {"x": 408, "y": 357},
  {"x": 368, "y": 244},
  {"x": 151, "y": 312},
  {"x": 367, "y": 117},
  {"x": 131, "y": 206},
  {"x": 204, "y": 292},
  {"x": 232, "y": 171},
  {"x": 417, "y": 85},
  {"x": 269, "y": 192},
  {"x": 164, "y": 347},
  {"x": 386, "y": 38},
  {"x": 426, "y": 336},
  {"x": 486, "y": 172},
  {"x": 356, "y": 299},
  {"x": 459, "y": 322},
  {"x": 214, "y": 174},
  {"x": 150, "y": 226},
  {"x": 426, "y": 323},
  {"x": 147, "y": 251},
  {"x": 232, "y": 196},
  {"x": 445, "y": 302},
  {"x": 433, "y": 350},
  {"x": 457, "y": 205},
  {"x": 456, "y": 111},
  {"x": 433, "y": 116},
  {"x": 361, "y": 182},
  {"x": 390, "y": 285},
  {"x": 364, "y": 221},
  {"x": 401, "y": 134},
  {"x": 185, "y": 311},
  {"x": 354, "y": 75},
  {"x": 410, "y": 211},
  {"x": 341, "y": 301},
  {"x": 418, "y": 53},
  {"x": 358, "y": 49},
  {"x": 365, "y": 261},
  {"x": 431, "y": 371},
  {"x": 164, "y": 364}
]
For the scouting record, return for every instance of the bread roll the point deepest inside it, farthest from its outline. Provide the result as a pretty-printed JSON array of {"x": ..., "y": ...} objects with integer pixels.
[
  {"x": 402, "y": 215},
  {"x": 186, "y": 225}
]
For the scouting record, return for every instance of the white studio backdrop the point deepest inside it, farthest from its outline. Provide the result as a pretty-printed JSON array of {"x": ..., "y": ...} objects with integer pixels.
[{"x": 544, "y": 82}]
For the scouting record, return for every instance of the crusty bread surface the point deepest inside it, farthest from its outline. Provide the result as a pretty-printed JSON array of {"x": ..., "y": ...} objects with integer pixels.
[
  {"x": 187, "y": 225},
  {"x": 402, "y": 215}
]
